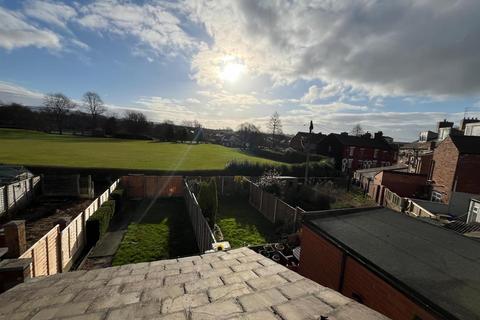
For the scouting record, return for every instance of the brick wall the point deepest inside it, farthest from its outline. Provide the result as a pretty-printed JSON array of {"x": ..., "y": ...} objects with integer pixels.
[
  {"x": 468, "y": 174},
  {"x": 425, "y": 164},
  {"x": 321, "y": 261},
  {"x": 445, "y": 159},
  {"x": 405, "y": 185}
]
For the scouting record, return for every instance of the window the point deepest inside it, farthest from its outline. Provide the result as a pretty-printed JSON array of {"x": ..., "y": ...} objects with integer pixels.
[
  {"x": 436, "y": 196},
  {"x": 375, "y": 154},
  {"x": 352, "y": 150}
]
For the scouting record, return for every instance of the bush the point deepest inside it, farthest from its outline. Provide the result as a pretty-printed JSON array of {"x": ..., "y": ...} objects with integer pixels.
[
  {"x": 208, "y": 200},
  {"x": 118, "y": 195},
  {"x": 271, "y": 183},
  {"x": 316, "y": 169},
  {"x": 97, "y": 224}
]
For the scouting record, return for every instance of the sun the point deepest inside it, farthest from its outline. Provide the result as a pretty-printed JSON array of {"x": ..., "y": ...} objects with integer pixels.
[{"x": 232, "y": 71}]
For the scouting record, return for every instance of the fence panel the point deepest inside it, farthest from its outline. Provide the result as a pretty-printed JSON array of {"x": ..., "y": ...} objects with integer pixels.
[
  {"x": 44, "y": 254},
  {"x": 203, "y": 233},
  {"x": 69, "y": 242}
]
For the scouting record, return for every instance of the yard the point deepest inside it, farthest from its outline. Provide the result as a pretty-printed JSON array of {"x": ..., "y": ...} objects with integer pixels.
[
  {"x": 163, "y": 231},
  {"x": 36, "y": 148},
  {"x": 241, "y": 224}
]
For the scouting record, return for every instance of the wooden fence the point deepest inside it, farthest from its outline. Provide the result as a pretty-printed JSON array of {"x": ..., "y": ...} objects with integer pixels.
[
  {"x": 56, "y": 251},
  {"x": 203, "y": 233},
  {"x": 140, "y": 186},
  {"x": 18, "y": 194},
  {"x": 394, "y": 201},
  {"x": 274, "y": 209}
]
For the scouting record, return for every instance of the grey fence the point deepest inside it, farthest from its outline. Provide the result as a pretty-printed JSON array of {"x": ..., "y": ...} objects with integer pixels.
[
  {"x": 274, "y": 209},
  {"x": 17, "y": 195},
  {"x": 203, "y": 233}
]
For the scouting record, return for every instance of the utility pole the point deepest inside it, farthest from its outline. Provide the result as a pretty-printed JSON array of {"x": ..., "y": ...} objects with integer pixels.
[{"x": 309, "y": 138}]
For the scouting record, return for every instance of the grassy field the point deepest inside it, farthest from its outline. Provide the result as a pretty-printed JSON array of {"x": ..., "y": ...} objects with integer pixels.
[
  {"x": 36, "y": 148},
  {"x": 164, "y": 232},
  {"x": 241, "y": 224}
]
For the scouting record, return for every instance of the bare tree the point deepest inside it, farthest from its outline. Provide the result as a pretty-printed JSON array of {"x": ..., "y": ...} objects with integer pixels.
[
  {"x": 357, "y": 130},
  {"x": 136, "y": 122},
  {"x": 275, "y": 126},
  {"x": 58, "y": 105},
  {"x": 250, "y": 135},
  {"x": 94, "y": 105}
]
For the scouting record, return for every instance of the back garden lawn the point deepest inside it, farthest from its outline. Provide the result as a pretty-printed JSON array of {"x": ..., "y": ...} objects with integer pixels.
[
  {"x": 163, "y": 231},
  {"x": 241, "y": 224}
]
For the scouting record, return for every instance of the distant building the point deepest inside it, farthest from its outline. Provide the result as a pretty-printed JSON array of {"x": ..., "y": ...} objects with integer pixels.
[
  {"x": 398, "y": 265},
  {"x": 404, "y": 184},
  {"x": 301, "y": 139},
  {"x": 357, "y": 152},
  {"x": 445, "y": 128},
  {"x": 427, "y": 136},
  {"x": 472, "y": 129},
  {"x": 468, "y": 121},
  {"x": 455, "y": 167},
  {"x": 364, "y": 177}
]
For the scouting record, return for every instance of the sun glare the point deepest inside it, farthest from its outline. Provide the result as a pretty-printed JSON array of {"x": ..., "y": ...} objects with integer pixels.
[{"x": 232, "y": 71}]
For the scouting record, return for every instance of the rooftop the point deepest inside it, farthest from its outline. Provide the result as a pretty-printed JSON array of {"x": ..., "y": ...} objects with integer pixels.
[
  {"x": 356, "y": 141},
  {"x": 238, "y": 284},
  {"x": 436, "y": 266},
  {"x": 467, "y": 144}
]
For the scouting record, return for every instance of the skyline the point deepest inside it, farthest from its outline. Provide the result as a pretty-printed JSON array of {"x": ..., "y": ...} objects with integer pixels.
[{"x": 398, "y": 67}]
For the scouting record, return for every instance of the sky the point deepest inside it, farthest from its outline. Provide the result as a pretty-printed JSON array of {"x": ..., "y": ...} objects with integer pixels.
[{"x": 398, "y": 66}]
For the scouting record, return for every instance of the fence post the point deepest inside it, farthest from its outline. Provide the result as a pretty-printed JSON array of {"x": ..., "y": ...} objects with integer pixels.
[
  {"x": 223, "y": 183},
  {"x": 261, "y": 200},
  {"x": 275, "y": 209},
  {"x": 15, "y": 238}
]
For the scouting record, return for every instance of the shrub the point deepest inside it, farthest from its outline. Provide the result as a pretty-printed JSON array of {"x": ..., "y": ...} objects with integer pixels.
[
  {"x": 270, "y": 182},
  {"x": 118, "y": 195},
  {"x": 316, "y": 169},
  {"x": 289, "y": 155},
  {"x": 208, "y": 200},
  {"x": 97, "y": 224}
]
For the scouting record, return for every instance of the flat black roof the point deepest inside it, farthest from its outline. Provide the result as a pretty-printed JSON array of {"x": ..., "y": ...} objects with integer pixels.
[{"x": 436, "y": 266}]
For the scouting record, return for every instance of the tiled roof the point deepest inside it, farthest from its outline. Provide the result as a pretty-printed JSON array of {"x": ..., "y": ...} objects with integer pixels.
[
  {"x": 238, "y": 284},
  {"x": 355, "y": 141}
]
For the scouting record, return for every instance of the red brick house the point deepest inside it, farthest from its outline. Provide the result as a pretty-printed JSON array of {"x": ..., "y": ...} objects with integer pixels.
[
  {"x": 455, "y": 167},
  {"x": 398, "y": 265},
  {"x": 358, "y": 152}
]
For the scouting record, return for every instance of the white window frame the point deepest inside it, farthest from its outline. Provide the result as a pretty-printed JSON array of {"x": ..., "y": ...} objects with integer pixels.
[{"x": 436, "y": 196}]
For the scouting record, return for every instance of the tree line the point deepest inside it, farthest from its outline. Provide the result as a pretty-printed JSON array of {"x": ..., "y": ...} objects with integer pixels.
[
  {"x": 90, "y": 116},
  {"x": 59, "y": 114}
]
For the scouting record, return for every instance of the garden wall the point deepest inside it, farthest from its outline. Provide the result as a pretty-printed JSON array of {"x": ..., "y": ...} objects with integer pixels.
[
  {"x": 58, "y": 249},
  {"x": 17, "y": 195},
  {"x": 140, "y": 186}
]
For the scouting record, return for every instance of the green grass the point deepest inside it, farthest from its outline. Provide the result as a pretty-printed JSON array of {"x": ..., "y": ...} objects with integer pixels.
[
  {"x": 164, "y": 232},
  {"x": 352, "y": 199},
  {"x": 241, "y": 224},
  {"x": 36, "y": 148}
]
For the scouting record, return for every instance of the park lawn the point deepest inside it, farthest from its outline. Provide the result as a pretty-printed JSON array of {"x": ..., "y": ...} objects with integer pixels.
[
  {"x": 37, "y": 148},
  {"x": 164, "y": 232},
  {"x": 241, "y": 224}
]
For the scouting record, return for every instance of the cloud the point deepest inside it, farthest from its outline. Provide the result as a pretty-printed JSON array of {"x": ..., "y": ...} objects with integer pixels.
[
  {"x": 15, "y": 32},
  {"x": 54, "y": 13},
  {"x": 154, "y": 25},
  {"x": 386, "y": 48},
  {"x": 10, "y": 92}
]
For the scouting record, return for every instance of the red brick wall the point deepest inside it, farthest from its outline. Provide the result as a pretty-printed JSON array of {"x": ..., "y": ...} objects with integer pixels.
[
  {"x": 405, "y": 185},
  {"x": 468, "y": 173},
  {"x": 378, "y": 294},
  {"x": 445, "y": 159},
  {"x": 383, "y": 158},
  {"x": 321, "y": 261}
]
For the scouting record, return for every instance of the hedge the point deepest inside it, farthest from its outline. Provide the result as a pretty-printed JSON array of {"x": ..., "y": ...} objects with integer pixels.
[
  {"x": 288, "y": 156},
  {"x": 316, "y": 169},
  {"x": 118, "y": 195},
  {"x": 97, "y": 224}
]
